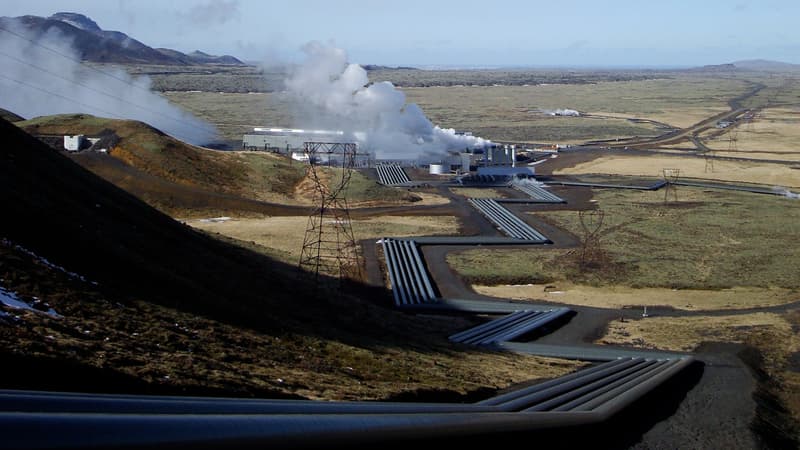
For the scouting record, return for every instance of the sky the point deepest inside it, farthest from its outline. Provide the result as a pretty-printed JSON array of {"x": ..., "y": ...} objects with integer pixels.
[{"x": 457, "y": 33}]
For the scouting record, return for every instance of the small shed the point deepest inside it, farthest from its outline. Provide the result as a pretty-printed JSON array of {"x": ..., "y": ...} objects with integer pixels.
[{"x": 73, "y": 143}]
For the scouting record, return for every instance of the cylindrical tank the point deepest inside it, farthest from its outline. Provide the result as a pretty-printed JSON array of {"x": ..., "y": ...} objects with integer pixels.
[{"x": 437, "y": 169}]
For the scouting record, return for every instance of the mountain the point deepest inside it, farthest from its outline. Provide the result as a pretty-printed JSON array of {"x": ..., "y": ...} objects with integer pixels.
[
  {"x": 767, "y": 65},
  {"x": 97, "y": 45}
]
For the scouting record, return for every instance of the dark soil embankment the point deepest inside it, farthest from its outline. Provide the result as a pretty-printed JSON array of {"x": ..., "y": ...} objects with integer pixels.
[{"x": 773, "y": 424}]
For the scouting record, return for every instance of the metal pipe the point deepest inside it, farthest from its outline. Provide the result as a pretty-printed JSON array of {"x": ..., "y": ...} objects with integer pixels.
[
  {"x": 503, "y": 398},
  {"x": 626, "y": 395},
  {"x": 25, "y": 430},
  {"x": 597, "y": 392},
  {"x": 489, "y": 325},
  {"x": 394, "y": 275},
  {"x": 421, "y": 265},
  {"x": 545, "y": 394},
  {"x": 547, "y": 317},
  {"x": 626, "y": 374},
  {"x": 497, "y": 326}
]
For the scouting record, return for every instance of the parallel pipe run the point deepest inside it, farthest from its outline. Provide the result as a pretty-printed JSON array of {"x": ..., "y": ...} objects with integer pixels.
[
  {"x": 494, "y": 212},
  {"x": 418, "y": 261},
  {"x": 593, "y": 394},
  {"x": 26, "y": 430},
  {"x": 96, "y": 421},
  {"x": 394, "y": 276},
  {"x": 615, "y": 400},
  {"x": 538, "y": 396},
  {"x": 513, "y": 395},
  {"x": 538, "y": 193},
  {"x": 610, "y": 380},
  {"x": 584, "y": 352},
  {"x": 490, "y": 329},
  {"x": 653, "y": 187},
  {"x": 528, "y": 326},
  {"x": 392, "y": 175},
  {"x": 407, "y": 274},
  {"x": 509, "y": 327},
  {"x": 505, "y": 220}
]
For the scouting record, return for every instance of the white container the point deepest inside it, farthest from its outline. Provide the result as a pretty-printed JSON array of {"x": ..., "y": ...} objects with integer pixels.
[{"x": 437, "y": 169}]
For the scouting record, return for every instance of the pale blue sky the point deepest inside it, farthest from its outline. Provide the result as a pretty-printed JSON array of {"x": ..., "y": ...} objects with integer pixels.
[{"x": 461, "y": 33}]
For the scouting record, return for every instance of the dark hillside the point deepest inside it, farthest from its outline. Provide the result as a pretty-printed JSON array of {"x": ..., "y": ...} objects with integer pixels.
[{"x": 58, "y": 209}]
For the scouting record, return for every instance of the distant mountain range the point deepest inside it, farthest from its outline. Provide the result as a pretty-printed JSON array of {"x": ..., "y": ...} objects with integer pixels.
[
  {"x": 97, "y": 45},
  {"x": 761, "y": 65}
]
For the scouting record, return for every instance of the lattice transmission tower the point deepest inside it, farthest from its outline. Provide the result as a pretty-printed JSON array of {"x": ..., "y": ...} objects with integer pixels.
[
  {"x": 329, "y": 247},
  {"x": 670, "y": 177},
  {"x": 733, "y": 139},
  {"x": 592, "y": 223}
]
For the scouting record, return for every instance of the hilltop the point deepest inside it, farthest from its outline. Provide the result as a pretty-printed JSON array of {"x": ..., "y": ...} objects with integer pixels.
[{"x": 94, "y": 44}]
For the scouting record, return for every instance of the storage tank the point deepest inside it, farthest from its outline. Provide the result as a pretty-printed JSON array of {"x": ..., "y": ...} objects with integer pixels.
[{"x": 437, "y": 169}]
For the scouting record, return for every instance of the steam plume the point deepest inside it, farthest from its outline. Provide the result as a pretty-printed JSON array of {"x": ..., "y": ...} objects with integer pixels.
[
  {"x": 42, "y": 75},
  {"x": 328, "y": 92}
]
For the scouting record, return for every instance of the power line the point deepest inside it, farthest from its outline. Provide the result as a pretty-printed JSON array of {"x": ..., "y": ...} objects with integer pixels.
[
  {"x": 59, "y": 95},
  {"x": 38, "y": 44},
  {"x": 78, "y": 61},
  {"x": 103, "y": 93}
]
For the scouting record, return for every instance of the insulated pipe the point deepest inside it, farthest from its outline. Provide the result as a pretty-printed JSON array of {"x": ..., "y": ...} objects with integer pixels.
[
  {"x": 394, "y": 276},
  {"x": 626, "y": 395},
  {"x": 484, "y": 207},
  {"x": 488, "y": 325},
  {"x": 60, "y": 402},
  {"x": 538, "y": 193},
  {"x": 415, "y": 269},
  {"x": 547, "y": 317},
  {"x": 402, "y": 278},
  {"x": 475, "y": 240},
  {"x": 624, "y": 387},
  {"x": 27, "y": 430},
  {"x": 504, "y": 398},
  {"x": 410, "y": 272},
  {"x": 498, "y": 326},
  {"x": 597, "y": 392},
  {"x": 545, "y": 394},
  {"x": 626, "y": 374},
  {"x": 506, "y": 220},
  {"x": 390, "y": 268},
  {"x": 493, "y": 336},
  {"x": 421, "y": 265}
]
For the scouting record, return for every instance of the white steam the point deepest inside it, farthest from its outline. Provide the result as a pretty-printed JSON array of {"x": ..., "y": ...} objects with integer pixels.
[
  {"x": 780, "y": 190},
  {"x": 561, "y": 112},
  {"x": 42, "y": 76},
  {"x": 328, "y": 92}
]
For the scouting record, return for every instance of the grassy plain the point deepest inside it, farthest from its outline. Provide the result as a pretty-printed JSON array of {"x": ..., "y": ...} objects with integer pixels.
[
  {"x": 690, "y": 167},
  {"x": 516, "y": 112},
  {"x": 617, "y": 297},
  {"x": 773, "y": 134},
  {"x": 706, "y": 240},
  {"x": 282, "y": 237},
  {"x": 478, "y": 192}
]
